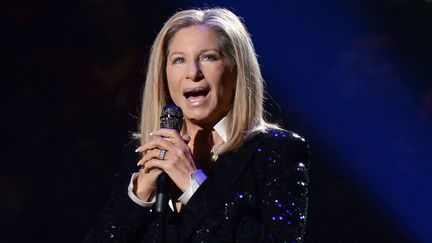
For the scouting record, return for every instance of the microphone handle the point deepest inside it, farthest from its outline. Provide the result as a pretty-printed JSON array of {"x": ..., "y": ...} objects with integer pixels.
[{"x": 162, "y": 194}]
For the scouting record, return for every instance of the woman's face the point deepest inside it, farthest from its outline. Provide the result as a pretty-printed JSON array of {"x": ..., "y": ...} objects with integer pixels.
[{"x": 200, "y": 79}]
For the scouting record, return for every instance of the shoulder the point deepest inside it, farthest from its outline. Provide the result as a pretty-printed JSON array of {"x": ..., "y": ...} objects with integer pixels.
[
  {"x": 282, "y": 145},
  {"x": 283, "y": 139},
  {"x": 281, "y": 135}
]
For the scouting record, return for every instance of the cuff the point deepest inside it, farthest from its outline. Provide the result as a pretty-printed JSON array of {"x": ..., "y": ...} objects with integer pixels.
[
  {"x": 197, "y": 178},
  {"x": 133, "y": 197}
]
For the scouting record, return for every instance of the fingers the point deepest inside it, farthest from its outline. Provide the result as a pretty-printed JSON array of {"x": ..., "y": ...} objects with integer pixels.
[
  {"x": 169, "y": 134},
  {"x": 156, "y": 143},
  {"x": 186, "y": 138},
  {"x": 177, "y": 161},
  {"x": 171, "y": 157},
  {"x": 166, "y": 139},
  {"x": 152, "y": 173},
  {"x": 160, "y": 138},
  {"x": 149, "y": 155}
]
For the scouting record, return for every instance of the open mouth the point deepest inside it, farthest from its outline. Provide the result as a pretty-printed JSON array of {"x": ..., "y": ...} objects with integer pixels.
[{"x": 196, "y": 93}]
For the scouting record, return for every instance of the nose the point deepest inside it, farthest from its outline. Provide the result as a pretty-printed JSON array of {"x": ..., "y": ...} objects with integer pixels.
[{"x": 194, "y": 72}]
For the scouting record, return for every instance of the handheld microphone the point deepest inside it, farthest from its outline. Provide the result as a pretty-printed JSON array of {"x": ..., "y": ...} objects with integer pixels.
[{"x": 172, "y": 118}]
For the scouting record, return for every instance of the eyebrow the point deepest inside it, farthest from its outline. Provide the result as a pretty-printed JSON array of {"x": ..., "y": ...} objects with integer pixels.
[{"x": 202, "y": 51}]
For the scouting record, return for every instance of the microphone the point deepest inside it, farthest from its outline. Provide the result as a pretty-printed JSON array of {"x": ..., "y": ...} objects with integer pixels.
[{"x": 171, "y": 117}]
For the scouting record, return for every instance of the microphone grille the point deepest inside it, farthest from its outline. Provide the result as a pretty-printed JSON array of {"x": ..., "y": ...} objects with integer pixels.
[{"x": 171, "y": 117}]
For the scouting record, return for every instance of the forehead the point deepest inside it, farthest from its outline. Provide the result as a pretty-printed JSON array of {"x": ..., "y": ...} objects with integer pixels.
[{"x": 196, "y": 36}]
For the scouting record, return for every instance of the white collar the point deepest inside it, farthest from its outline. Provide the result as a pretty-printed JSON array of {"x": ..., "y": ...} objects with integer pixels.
[{"x": 221, "y": 128}]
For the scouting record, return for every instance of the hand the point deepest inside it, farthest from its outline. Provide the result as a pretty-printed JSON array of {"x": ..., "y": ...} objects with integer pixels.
[
  {"x": 145, "y": 185},
  {"x": 178, "y": 162}
]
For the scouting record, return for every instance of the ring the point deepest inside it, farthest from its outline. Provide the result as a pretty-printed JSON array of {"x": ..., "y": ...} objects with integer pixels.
[{"x": 162, "y": 154}]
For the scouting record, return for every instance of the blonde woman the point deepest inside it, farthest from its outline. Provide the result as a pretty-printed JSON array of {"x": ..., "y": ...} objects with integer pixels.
[{"x": 235, "y": 177}]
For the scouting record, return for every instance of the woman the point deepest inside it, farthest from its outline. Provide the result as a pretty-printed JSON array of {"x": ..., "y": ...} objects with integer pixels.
[{"x": 235, "y": 176}]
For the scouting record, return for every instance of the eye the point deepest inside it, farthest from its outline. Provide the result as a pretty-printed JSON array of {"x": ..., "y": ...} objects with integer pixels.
[
  {"x": 178, "y": 60},
  {"x": 209, "y": 57}
]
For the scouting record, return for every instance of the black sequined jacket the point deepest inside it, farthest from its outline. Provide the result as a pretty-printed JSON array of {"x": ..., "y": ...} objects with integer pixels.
[{"x": 257, "y": 194}]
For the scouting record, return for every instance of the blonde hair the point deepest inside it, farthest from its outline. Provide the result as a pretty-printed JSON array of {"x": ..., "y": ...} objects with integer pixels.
[{"x": 247, "y": 114}]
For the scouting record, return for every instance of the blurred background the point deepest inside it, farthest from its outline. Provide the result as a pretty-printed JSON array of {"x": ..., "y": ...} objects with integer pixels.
[{"x": 354, "y": 77}]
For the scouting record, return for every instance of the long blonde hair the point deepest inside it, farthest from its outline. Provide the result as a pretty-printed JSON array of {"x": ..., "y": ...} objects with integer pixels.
[{"x": 247, "y": 114}]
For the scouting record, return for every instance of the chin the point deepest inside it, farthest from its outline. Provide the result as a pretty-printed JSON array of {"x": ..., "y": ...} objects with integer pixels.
[
  {"x": 200, "y": 118},
  {"x": 197, "y": 118}
]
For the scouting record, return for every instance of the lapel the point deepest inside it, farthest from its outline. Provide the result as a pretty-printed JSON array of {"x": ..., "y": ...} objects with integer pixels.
[{"x": 227, "y": 172}]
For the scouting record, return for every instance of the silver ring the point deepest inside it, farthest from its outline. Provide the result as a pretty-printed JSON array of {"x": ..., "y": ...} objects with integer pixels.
[{"x": 162, "y": 154}]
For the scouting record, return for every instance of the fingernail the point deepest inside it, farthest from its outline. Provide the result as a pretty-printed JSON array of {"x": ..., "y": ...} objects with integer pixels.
[
  {"x": 136, "y": 150},
  {"x": 138, "y": 164},
  {"x": 151, "y": 134}
]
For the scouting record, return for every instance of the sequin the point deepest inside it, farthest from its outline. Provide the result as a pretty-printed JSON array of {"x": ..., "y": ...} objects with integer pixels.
[
  {"x": 271, "y": 194},
  {"x": 301, "y": 183}
]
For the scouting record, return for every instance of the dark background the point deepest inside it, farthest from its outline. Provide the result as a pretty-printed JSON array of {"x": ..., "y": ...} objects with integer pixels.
[{"x": 353, "y": 77}]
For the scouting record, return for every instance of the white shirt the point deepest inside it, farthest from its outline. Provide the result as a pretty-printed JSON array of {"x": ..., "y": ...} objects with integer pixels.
[{"x": 196, "y": 178}]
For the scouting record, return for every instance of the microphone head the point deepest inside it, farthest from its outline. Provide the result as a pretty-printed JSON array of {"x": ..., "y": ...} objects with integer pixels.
[{"x": 171, "y": 117}]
